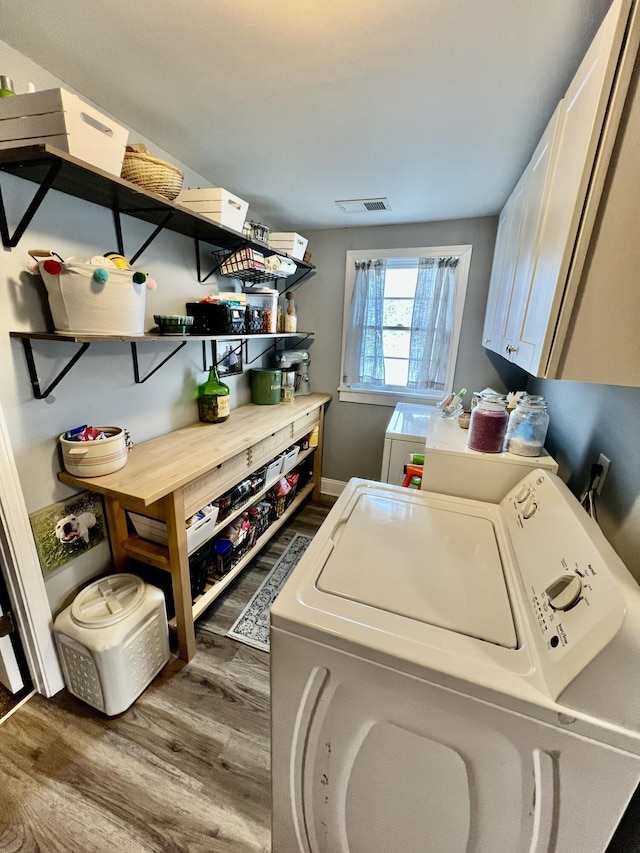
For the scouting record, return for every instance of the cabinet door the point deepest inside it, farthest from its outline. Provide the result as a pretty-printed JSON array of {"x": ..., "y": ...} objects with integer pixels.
[
  {"x": 523, "y": 301},
  {"x": 503, "y": 271},
  {"x": 580, "y": 125}
]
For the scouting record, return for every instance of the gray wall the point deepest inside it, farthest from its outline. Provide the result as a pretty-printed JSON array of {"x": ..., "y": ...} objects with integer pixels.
[
  {"x": 355, "y": 431},
  {"x": 586, "y": 420}
]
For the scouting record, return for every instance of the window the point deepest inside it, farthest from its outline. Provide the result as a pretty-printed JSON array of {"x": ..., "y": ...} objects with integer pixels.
[{"x": 402, "y": 318}]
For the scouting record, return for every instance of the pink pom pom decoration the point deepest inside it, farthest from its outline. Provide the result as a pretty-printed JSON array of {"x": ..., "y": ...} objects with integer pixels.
[{"x": 151, "y": 284}]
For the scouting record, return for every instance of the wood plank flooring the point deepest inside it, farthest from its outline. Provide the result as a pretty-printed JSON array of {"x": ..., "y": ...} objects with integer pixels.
[{"x": 186, "y": 768}]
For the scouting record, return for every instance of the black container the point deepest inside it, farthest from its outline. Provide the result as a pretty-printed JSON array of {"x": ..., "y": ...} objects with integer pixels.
[
  {"x": 253, "y": 319},
  {"x": 216, "y": 318}
]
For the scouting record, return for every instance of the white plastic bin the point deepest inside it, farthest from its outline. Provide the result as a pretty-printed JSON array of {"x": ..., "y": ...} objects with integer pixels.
[
  {"x": 63, "y": 120},
  {"x": 156, "y": 531},
  {"x": 113, "y": 640}
]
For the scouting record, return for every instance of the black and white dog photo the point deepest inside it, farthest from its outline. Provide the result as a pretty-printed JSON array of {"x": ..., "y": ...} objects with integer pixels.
[{"x": 72, "y": 528}]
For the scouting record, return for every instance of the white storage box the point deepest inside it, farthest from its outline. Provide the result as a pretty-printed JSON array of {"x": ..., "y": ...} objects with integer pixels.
[
  {"x": 290, "y": 459},
  {"x": 113, "y": 640},
  {"x": 217, "y": 204},
  {"x": 60, "y": 119},
  {"x": 274, "y": 471},
  {"x": 156, "y": 531},
  {"x": 288, "y": 241}
]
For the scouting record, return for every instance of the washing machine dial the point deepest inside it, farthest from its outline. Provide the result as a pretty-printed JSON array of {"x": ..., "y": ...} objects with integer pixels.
[
  {"x": 528, "y": 509},
  {"x": 564, "y": 591},
  {"x": 523, "y": 493}
]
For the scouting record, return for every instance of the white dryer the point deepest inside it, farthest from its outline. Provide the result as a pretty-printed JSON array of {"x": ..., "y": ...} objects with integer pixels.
[{"x": 449, "y": 675}]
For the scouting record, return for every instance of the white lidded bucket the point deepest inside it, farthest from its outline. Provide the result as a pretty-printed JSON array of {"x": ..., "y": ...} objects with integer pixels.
[
  {"x": 113, "y": 640},
  {"x": 82, "y": 304},
  {"x": 98, "y": 457}
]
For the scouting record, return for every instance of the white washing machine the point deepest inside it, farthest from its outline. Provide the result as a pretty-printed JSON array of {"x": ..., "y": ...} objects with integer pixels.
[{"x": 450, "y": 675}]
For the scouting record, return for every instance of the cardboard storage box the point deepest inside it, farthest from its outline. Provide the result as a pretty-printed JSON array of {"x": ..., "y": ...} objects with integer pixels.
[
  {"x": 60, "y": 119},
  {"x": 217, "y": 204},
  {"x": 156, "y": 531},
  {"x": 288, "y": 241}
]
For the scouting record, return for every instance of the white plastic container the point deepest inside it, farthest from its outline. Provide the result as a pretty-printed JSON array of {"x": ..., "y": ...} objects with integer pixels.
[
  {"x": 290, "y": 242},
  {"x": 217, "y": 204},
  {"x": 82, "y": 305},
  {"x": 267, "y": 299},
  {"x": 156, "y": 531},
  {"x": 112, "y": 641},
  {"x": 60, "y": 119},
  {"x": 96, "y": 458},
  {"x": 290, "y": 459}
]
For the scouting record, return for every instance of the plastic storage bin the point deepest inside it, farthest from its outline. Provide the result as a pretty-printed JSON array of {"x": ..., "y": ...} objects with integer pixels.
[
  {"x": 156, "y": 531},
  {"x": 216, "y": 318},
  {"x": 216, "y": 203},
  {"x": 267, "y": 299},
  {"x": 63, "y": 120},
  {"x": 113, "y": 640}
]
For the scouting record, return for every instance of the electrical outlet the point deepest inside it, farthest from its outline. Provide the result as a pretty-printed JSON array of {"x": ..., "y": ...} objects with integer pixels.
[{"x": 606, "y": 464}]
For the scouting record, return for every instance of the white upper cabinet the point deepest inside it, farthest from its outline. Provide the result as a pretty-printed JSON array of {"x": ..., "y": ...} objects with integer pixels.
[{"x": 537, "y": 282}]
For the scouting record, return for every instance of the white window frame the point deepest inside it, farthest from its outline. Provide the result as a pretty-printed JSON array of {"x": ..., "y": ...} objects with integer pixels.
[{"x": 391, "y": 398}]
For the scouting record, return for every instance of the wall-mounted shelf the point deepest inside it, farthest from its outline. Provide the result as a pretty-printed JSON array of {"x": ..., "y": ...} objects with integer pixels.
[
  {"x": 53, "y": 169},
  {"x": 84, "y": 342}
]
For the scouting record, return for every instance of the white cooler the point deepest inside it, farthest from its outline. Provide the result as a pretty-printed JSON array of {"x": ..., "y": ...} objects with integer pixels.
[{"x": 113, "y": 640}]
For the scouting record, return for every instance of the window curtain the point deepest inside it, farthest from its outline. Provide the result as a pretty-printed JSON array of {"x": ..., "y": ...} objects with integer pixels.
[
  {"x": 364, "y": 357},
  {"x": 432, "y": 322}
]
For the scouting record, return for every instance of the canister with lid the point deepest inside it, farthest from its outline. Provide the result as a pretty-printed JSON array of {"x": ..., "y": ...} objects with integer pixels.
[
  {"x": 527, "y": 428},
  {"x": 488, "y": 424}
]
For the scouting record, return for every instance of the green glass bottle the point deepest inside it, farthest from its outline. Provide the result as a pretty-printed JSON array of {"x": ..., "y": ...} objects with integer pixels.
[{"x": 213, "y": 399}]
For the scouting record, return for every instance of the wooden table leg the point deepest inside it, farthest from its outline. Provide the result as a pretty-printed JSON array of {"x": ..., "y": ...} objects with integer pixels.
[
  {"x": 317, "y": 458},
  {"x": 180, "y": 576},
  {"x": 118, "y": 531}
]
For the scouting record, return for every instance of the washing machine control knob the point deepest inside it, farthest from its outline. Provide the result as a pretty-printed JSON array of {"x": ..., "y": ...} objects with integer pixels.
[
  {"x": 523, "y": 493},
  {"x": 564, "y": 592},
  {"x": 528, "y": 509}
]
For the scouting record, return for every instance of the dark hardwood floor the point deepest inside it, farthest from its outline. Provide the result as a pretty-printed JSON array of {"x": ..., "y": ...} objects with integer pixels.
[{"x": 186, "y": 768}]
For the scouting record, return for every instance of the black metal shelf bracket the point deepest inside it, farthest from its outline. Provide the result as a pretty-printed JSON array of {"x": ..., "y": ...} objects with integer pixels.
[
  {"x": 118, "y": 226},
  {"x": 33, "y": 372},
  {"x": 136, "y": 369},
  {"x": 274, "y": 346},
  {"x": 11, "y": 241}
]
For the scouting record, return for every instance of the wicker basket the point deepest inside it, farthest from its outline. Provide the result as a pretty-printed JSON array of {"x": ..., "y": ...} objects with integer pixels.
[{"x": 152, "y": 174}]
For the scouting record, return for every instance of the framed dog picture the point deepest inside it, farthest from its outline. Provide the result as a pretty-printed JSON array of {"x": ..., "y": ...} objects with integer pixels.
[
  {"x": 64, "y": 530},
  {"x": 228, "y": 357}
]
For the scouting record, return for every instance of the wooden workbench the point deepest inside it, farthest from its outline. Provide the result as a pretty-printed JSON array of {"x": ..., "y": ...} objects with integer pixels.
[{"x": 171, "y": 477}]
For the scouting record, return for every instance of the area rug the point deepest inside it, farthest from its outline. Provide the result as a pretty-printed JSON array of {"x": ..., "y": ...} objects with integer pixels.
[{"x": 252, "y": 626}]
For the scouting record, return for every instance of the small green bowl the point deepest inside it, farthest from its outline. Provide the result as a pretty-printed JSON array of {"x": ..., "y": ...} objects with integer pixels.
[{"x": 173, "y": 324}]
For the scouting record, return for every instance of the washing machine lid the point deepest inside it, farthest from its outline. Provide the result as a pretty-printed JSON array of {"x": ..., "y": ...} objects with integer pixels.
[
  {"x": 108, "y": 600},
  {"x": 440, "y": 566}
]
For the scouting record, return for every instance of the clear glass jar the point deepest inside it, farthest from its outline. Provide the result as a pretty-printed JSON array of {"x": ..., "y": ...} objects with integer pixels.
[
  {"x": 527, "y": 429},
  {"x": 488, "y": 424}
]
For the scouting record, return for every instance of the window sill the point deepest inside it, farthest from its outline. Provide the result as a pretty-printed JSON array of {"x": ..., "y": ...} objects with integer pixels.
[{"x": 385, "y": 398}]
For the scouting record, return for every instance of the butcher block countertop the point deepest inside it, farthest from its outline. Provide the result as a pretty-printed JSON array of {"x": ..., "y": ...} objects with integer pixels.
[{"x": 161, "y": 465}]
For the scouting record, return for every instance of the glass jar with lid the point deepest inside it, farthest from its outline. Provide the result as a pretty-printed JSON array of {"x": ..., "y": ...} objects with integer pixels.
[
  {"x": 527, "y": 428},
  {"x": 488, "y": 424}
]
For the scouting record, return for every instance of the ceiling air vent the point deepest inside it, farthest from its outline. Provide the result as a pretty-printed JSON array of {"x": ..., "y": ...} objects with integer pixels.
[{"x": 363, "y": 205}]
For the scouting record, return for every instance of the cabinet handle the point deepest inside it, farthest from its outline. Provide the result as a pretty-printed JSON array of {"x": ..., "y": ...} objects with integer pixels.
[{"x": 512, "y": 349}]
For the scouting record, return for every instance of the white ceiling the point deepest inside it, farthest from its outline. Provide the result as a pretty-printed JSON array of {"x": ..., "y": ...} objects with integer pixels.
[{"x": 293, "y": 104}]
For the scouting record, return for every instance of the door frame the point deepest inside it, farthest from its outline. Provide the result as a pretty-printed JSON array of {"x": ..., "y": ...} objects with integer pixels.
[{"x": 23, "y": 577}]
